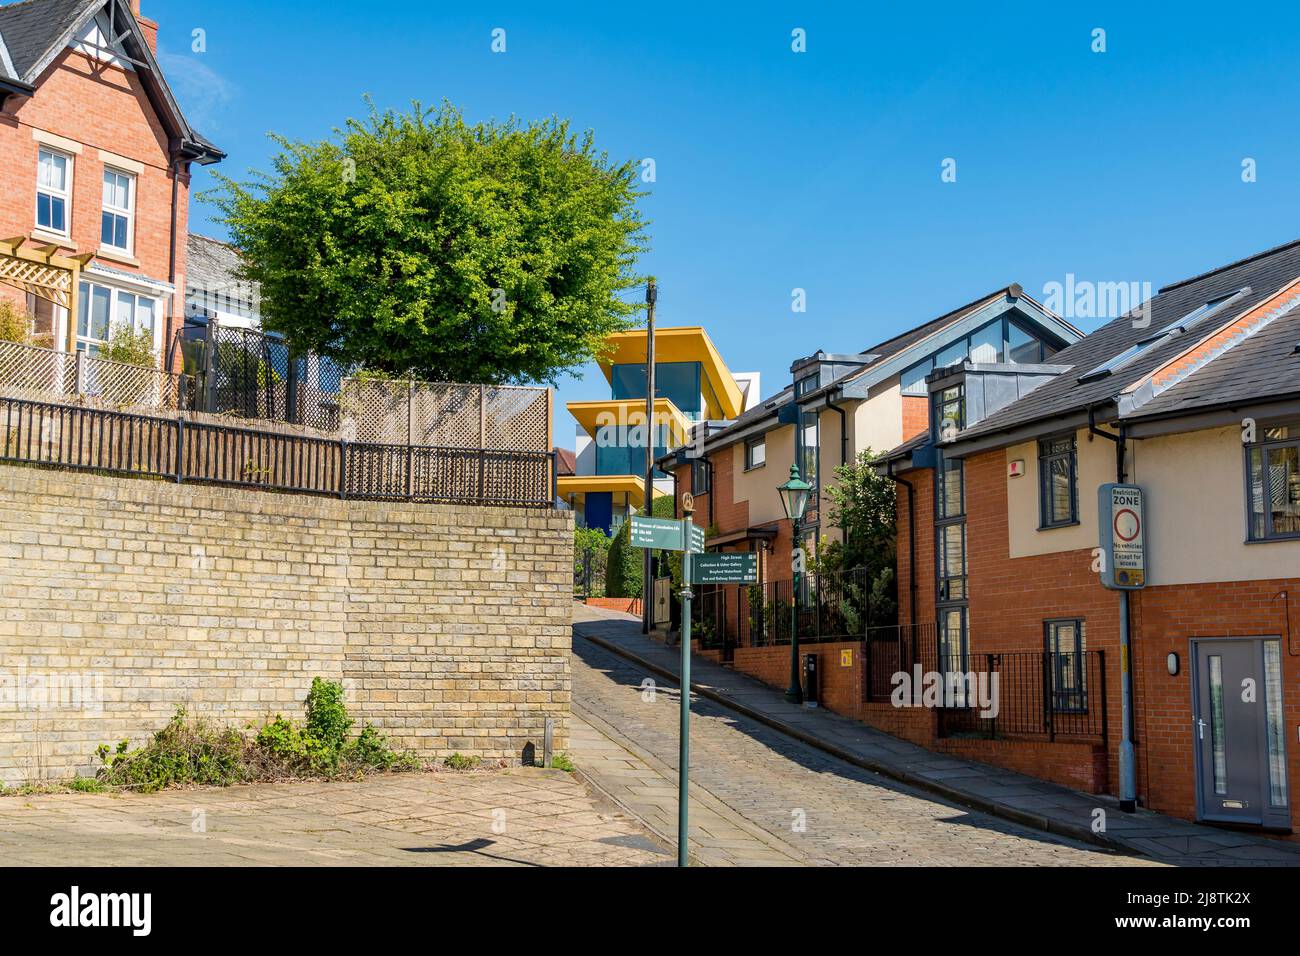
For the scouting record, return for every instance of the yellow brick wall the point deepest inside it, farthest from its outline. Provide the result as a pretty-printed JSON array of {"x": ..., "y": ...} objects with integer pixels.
[{"x": 448, "y": 625}]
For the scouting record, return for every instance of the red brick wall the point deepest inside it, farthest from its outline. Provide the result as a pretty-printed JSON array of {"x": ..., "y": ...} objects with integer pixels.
[
  {"x": 1079, "y": 765},
  {"x": 1165, "y": 619},
  {"x": 839, "y": 688},
  {"x": 100, "y": 107},
  {"x": 916, "y": 415},
  {"x": 1010, "y": 599}
]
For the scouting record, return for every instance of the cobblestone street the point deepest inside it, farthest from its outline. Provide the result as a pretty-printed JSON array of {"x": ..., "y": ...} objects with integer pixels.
[{"x": 781, "y": 801}]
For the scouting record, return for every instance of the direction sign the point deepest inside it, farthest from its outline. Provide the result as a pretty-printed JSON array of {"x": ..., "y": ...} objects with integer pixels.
[
  {"x": 1122, "y": 522},
  {"x": 662, "y": 534},
  {"x": 697, "y": 539},
  {"x": 733, "y": 567}
]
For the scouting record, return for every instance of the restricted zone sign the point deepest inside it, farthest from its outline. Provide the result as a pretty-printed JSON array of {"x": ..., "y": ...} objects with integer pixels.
[{"x": 1122, "y": 522}]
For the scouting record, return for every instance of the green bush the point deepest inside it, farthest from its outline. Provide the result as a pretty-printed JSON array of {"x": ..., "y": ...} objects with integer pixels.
[
  {"x": 193, "y": 751},
  {"x": 623, "y": 568},
  {"x": 187, "y": 751},
  {"x": 459, "y": 761},
  {"x": 130, "y": 347},
  {"x": 15, "y": 324},
  {"x": 562, "y": 761}
]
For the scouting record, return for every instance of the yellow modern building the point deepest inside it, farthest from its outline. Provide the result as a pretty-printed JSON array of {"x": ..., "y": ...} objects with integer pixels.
[{"x": 692, "y": 384}]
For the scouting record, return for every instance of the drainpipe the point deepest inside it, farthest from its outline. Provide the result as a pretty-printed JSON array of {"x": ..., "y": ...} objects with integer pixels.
[
  {"x": 844, "y": 425},
  {"x": 171, "y": 262},
  {"x": 911, "y": 539}
]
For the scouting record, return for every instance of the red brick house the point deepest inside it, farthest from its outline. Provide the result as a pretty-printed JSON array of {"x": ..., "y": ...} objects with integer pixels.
[
  {"x": 1197, "y": 401},
  {"x": 95, "y": 172}
]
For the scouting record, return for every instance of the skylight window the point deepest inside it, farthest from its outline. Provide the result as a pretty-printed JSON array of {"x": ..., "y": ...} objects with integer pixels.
[{"x": 1193, "y": 318}]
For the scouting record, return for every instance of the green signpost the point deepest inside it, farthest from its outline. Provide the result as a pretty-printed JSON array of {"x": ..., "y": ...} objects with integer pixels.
[
  {"x": 658, "y": 534},
  {"x": 666, "y": 534},
  {"x": 736, "y": 567}
]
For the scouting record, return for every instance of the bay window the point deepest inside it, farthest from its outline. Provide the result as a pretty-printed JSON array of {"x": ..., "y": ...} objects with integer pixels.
[{"x": 103, "y": 310}]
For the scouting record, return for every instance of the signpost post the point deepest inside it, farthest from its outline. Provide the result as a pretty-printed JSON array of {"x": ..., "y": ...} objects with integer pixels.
[
  {"x": 666, "y": 534},
  {"x": 1121, "y": 519}
]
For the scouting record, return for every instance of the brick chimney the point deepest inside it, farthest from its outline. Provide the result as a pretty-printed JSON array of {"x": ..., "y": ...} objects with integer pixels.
[{"x": 148, "y": 27}]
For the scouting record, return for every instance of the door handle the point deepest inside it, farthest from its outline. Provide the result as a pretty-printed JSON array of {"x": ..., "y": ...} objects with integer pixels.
[{"x": 1200, "y": 725}]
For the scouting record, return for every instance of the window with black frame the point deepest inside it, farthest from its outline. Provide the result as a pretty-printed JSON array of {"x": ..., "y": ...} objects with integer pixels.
[
  {"x": 755, "y": 453},
  {"x": 1273, "y": 484},
  {"x": 700, "y": 476},
  {"x": 1058, "y": 497},
  {"x": 1066, "y": 644}
]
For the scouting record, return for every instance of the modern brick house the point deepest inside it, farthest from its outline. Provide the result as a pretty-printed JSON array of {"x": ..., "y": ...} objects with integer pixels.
[
  {"x": 837, "y": 406},
  {"x": 1196, "y": 400},
  {"x": 95, "y": 160}
]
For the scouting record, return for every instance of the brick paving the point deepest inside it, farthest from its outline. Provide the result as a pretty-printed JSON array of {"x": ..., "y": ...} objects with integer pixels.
[
  {"x": 514, "y": 817},
  {"x": 775, "y": 799},
  {"x": 820, "y": 738}
]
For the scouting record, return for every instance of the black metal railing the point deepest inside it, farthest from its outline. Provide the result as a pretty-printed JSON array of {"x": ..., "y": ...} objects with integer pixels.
[
  {"x": 829, "y": 608},
  {"x": 1025, "y": 693},
  {"x": 93, "y": 439},
  {"x": 892, "y": 649}
]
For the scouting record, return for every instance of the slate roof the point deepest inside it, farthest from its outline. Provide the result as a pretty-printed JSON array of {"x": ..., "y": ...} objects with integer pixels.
[
  {"x": 29, "y": 29},
  {"x": 211, "y": 263},
  {"x": 880, "y": 352},
  {"x": 32, "y": 32},
  {"x": 1261, "y": 367}
]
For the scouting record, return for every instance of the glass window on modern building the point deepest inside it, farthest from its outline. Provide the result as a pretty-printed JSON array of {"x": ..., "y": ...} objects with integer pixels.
[
  {"x": 755, "y": 453},
  {"x": 1058, "y": 494},
  {"x": 951, "y": 598},
  {"x": 1273, "y": 484},
  {"x": 1066, "y": 644}
]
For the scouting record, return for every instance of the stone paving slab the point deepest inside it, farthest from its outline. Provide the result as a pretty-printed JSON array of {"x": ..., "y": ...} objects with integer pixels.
[
  {"x": 516, "y": 817},
  {"x": 1054, "y": 808}
]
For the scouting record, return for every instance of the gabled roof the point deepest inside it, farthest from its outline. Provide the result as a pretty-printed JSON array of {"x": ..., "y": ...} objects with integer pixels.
[
  {"x": 34, "y": 32},
  {"x": 1264, "y": 274}
]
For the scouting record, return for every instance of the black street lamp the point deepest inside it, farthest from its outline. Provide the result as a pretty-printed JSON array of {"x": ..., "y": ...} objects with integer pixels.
[{"x": 794, "y": 497}]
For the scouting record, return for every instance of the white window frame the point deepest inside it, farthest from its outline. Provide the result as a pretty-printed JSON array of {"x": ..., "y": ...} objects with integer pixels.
[
  {"x": 116, "y": 296},
  {"x": 65, "y": 194},
  {"x": 127, "y": 212}
]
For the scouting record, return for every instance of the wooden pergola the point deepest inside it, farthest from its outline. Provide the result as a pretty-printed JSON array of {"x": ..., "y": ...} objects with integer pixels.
[{"x": 41, "y": 271}]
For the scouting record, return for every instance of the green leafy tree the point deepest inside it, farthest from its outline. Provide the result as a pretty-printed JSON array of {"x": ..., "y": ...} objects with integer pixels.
[
  {"x": 417, "y": 242},
  {"x": 623, "y": 568},
  {"x": 862, "y": 506}
]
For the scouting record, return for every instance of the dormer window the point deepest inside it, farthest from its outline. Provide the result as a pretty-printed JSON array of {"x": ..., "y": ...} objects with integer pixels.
[{"x": 805, "y": 385}]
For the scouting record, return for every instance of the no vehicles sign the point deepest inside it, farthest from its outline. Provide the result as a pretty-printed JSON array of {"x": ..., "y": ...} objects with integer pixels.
[{"x": 1122, "y": 522}]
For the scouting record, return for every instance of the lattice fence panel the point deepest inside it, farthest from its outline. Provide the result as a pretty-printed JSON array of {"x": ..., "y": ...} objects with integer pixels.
[
  {"x": 518, "y": 418},
  {"x": 27, "y": 371},
  {"x": 117, "y": 385},
  {"x": 430, "y": 414}
]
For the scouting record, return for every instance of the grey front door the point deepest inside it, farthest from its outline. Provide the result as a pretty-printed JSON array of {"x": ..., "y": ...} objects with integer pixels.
[{"x": 1239, "y": 732}]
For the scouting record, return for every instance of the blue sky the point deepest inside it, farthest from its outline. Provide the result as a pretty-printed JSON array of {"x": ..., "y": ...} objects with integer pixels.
[{"x": 821, "y": 170}]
